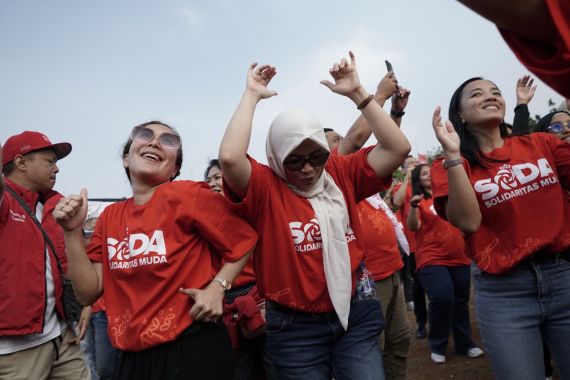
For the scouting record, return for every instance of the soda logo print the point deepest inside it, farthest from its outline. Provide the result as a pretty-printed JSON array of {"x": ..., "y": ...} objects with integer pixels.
[
  {"x": 307, "y": 237},
  {"x": 515, "y": 180},
  {"x": 136, "y": 250}
]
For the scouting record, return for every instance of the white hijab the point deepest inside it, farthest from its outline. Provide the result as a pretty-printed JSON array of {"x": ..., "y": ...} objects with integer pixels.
[{"x": 287, "y": 132}]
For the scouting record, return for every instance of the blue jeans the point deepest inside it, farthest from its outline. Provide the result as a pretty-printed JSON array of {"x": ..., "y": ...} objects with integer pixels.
[
  {"x": 315, "y": 346},
  {"x": 448, "y": 292},
  {"x": 517, "y": 309},
  {"x": 104, "y": 355}
]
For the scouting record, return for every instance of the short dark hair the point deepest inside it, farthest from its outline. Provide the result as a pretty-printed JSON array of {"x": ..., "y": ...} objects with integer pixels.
[
  {"x": 213, "y": 163},
  {"x": 328, "y": 130},
  {"x": 129, "y": 142},
  {"x": 469, "y": 146},
  {"x": 11, "y": 166}
]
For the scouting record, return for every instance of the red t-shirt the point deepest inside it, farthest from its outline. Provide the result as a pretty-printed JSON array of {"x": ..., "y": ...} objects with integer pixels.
[
  {"x": 437, "y": 241},
  {"x": 403, "y": 214},
  {"x": 150, "y": 251},
  {"x": 288, "y": 258},
  {"x": 550, "y": 62},
  {"x": 522, "y": 201},
  {"x": 381, "y": 253}
]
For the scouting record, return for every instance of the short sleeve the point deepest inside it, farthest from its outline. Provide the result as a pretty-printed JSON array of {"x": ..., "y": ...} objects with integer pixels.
[
  {"x": 97, "y": 245},
  {"x": 230, "y": 235}
]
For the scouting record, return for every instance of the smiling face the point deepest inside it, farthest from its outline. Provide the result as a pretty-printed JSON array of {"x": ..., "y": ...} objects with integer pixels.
[
  {"x": 214, "y": 179},
  {"x": 425, "y": 178},
  {"x": 149, "y": 162},
  {"x": 482, "y": 104},
  {"x": 305, "y": 178}
]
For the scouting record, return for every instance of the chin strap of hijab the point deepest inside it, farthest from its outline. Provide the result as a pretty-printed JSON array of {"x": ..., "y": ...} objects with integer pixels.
[{"x": 287, "y": 132}]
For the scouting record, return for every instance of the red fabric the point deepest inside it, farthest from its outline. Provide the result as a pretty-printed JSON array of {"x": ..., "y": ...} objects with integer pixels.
[
  {"x": 522, "y": 202},
  {"x": 98, "y": 305},
  {"x": 288, "y": 257},
  {"x": 550, "y": 62},
  {"x": 437, "y": 241},
  {"x": 243, "y": 317},
  {"x": 381, "y": 253},
  {"x": 22, "y": 264},
  {"x": 403, "y": 214},
  {"x": 150, "y": 251}
]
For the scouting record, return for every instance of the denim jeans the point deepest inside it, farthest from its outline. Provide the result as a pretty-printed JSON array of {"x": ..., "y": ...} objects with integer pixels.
[
  {"x": 418, "y": 294},
  {"x": 316, "y": 347},
  {"x": 517, "y": 309},
  {"x": 448, "y": 292},
  {"x": 104, "y": 355}
]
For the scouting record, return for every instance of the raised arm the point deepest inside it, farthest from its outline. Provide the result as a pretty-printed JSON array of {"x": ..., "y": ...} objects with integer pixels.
[
  {"x": 236, "y": 168},
  {"x": 462, "y": 209},
  {"x": 86, "y": 276},
  {"x": 528, "y": 18},
  {"x": 400, "y": 196},
  {"x": 395, "y": 146},
  {"x": 413, "y": 218},
  {"x": 360, "y": 132}
]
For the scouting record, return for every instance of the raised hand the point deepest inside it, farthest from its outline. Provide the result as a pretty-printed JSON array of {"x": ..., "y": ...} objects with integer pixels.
[
  {"x": 400, "y": 99},
  {"x": 525, "y": 89},
  {"x": 415, "y": 200},
  {"x": 446, "y": 135},
  {"x": 387, "y": 87},
  {"x": 346, "y": 79},
  {"x": 258, "y": 77},
  {"x": 71, "y": 211}
]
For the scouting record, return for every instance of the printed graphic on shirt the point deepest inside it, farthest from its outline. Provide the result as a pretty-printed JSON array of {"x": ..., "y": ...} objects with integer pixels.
[
  {"x": 307, "y": 236},
  {"x": 512, "y": 181},
  {"x": 136, "y": 250},
  {"x": 17, "y": 217}
]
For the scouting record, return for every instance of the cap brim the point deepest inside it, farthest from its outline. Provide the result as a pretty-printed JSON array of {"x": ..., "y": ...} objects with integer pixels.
[{"x": 61, "y": 150}]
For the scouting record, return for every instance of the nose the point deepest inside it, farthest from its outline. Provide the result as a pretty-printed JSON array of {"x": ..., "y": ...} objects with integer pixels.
[
  {"x": 55, "y": 168},
  {"x": 307, "y": 168}
]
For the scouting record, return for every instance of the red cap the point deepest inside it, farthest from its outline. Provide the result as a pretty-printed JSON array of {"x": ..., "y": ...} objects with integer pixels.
[{"x": 30, "y": 141}]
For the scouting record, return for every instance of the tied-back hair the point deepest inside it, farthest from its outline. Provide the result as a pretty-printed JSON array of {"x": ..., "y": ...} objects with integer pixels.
[
  {"x": 129, "y": 142},
  {"x": 469, "y": 146},
  {"x": 417, "y": 188},
  {"x": 214, "y": 163}
]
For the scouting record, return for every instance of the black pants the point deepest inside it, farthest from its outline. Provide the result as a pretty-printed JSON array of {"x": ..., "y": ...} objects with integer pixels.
[{"x": 203, "y": 351}]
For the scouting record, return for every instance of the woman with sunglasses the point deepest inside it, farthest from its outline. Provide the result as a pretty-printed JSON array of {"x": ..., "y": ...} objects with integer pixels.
[
  {"x": 508, "y": 196},
  {"x": 303, "y": 206},
  {"x": 153, "y": 255}
]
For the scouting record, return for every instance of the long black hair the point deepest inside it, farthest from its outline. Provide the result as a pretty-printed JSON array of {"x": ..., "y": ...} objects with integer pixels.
[
  {"x": 417, "y": 188},
  {"x": 129, "y": 142},
  {"x": 469, "y": 146}
]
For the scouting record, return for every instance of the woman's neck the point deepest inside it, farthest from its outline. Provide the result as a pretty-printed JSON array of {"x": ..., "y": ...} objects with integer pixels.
[
  {"x": 488, "y": 138},
  {"x": 142, "y": 192}
]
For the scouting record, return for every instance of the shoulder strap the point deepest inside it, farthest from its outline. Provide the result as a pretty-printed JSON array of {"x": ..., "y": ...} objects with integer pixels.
[{"x": 32, "y": 215}]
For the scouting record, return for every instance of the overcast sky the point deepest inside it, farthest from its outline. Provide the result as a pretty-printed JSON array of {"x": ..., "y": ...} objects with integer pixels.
[{"x": 86, "y": 72}]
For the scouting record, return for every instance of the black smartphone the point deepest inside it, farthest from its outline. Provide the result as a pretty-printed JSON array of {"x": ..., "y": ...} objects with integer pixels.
[{"x": 389, "y": 66}]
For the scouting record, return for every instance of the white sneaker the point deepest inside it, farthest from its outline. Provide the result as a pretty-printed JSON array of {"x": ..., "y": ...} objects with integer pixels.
[
  {"x": 437, "y": 359},
  {"x": 475, "y": 352}
]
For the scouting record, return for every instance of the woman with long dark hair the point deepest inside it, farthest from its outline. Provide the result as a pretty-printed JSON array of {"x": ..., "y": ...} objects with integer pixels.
[
  {"x": 507, "y": 195},
  {"x": 443, "y": 270}
]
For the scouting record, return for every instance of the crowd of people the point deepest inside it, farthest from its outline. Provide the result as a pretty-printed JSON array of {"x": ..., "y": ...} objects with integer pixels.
[{"x": 293, "y": 269}]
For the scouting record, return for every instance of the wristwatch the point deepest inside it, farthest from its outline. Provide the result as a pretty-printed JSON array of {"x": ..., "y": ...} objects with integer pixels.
[{"x": 223, "y": 282}]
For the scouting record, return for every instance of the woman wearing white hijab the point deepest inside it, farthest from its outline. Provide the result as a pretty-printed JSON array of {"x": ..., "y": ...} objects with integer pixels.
[{"x": 302, "y": 206}]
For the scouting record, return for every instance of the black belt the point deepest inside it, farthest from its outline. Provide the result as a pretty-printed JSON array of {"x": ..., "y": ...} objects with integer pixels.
[
  {"x": 285, "y": 310},
  {"x": 544, "y": 256}
]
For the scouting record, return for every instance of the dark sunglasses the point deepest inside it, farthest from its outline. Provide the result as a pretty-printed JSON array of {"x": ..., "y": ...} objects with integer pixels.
[
  {"x": 298, "y": 162},
  {"x": 167, "y": 140},
  {"x": 558, "y": 127}
]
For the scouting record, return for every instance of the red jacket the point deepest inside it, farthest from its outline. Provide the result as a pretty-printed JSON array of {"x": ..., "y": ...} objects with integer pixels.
[{"x": 22, "y": 262}]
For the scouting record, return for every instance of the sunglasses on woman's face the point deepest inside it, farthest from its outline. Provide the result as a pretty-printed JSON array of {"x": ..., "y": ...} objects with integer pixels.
[
  {"x": 297, "y": 162},
  {"x": 558, "y": 127},
  {"x": 167, "y": 140}
]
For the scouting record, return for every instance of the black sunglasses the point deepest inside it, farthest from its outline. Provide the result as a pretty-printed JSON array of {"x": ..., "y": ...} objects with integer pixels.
[
  {"x": 297, "y": 162},
  {"x": 167, "y": 140}
]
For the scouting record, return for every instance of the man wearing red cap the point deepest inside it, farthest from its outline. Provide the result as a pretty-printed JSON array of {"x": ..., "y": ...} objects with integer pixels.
[{"x": 34, "y": 340}]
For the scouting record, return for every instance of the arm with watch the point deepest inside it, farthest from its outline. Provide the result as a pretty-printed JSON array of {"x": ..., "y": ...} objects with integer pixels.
[
  {"x": 208, "y": 302},
  {"x": 413, "y": 219},
  {"x": 462, "y": 209}
]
